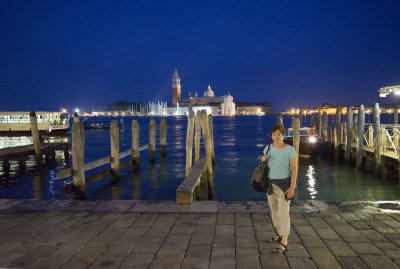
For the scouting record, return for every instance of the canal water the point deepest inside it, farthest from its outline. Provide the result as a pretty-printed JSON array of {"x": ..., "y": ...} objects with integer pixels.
[{"x": 239, "y": 142}]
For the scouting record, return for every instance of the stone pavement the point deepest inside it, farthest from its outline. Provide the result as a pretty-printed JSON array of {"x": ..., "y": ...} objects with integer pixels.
[{"x": 209, "y": 234}]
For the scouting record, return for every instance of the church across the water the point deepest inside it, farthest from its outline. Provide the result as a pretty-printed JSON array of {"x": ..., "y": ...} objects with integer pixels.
[{"x": 216, "y": 105}]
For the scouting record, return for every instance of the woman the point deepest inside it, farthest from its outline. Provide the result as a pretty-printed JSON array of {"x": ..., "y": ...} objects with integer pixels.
[{"x": 282, "y": 163}]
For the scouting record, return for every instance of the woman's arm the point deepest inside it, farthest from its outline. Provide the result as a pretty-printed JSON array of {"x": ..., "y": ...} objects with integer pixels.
[{"x": 293, "y": 166}]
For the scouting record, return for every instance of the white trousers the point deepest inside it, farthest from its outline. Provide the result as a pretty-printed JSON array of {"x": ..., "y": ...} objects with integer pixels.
[{"x": 280, "y": 208}]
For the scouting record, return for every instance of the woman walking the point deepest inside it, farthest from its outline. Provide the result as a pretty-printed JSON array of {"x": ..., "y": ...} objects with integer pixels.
[{"x": 282, "y": 163}]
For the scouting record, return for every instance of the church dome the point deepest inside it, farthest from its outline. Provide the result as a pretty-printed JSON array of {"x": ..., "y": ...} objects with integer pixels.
[{"x": 209, "y": 92}]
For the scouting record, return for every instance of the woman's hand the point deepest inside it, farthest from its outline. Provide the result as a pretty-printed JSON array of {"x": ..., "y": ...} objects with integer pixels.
[
  {"x": 289, "y": 193},
  {"x": 264, "y": 158}
]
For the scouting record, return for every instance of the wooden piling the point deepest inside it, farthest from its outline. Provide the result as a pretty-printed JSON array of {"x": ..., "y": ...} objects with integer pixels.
[
  {"x": 35, "y": 136},
  {"x": 152, "y": 140},
  {"x": 337, "y": 134},
  {"x": 396, "y": 115},
  {"x": 211, "y": 127},
  {"x": 349, "y": 123},
  {"x": 189, "y": 142},
  {"x": 135, "y": 144},
  {"x": 76, "y": 117},
  {"x": 114, "y": 139},
  {"x": 377, "y": 138},
  {"x": 318, "y": 119},
  {"x": 78, "y": 159},
  {"x": 301, "y": 117},
  {"x": 361, "y": 123},
  {"x": 163, "y": 136},
  {"x": 312, "y": 121},
  {"x": 325, "y": 126},
  {"x": 279, "y": 119},
  {"x": 197, "y": 136},
  {"x": 296, "y": 135},
  {"x": 207, "y": 143}
]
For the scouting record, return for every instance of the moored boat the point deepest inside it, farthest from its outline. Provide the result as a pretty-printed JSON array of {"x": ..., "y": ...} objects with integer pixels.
[
  {"x": 309, "y": 141},
  {"x": 18, "y": 123}
]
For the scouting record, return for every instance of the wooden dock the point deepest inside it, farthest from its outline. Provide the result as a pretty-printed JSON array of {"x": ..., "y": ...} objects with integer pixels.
[{"x": 22, "y": 152}]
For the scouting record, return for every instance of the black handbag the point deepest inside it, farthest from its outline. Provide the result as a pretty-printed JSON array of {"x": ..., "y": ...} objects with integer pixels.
[{"x": 259, "y": 180}]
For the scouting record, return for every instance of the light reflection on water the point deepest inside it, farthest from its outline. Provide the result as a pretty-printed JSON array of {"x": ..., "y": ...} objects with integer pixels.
[{"x": 238, "y": 141}]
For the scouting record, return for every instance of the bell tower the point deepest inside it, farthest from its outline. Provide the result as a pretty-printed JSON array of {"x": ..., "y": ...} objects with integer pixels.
[{"x": 176, "y": 88}]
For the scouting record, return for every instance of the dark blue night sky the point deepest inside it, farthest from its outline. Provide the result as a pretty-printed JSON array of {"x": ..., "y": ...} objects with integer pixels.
[{"x": 81, "y": 53}]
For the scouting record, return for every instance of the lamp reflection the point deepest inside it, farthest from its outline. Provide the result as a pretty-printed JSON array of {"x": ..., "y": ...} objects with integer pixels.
[{"x": 311, "y": 181}]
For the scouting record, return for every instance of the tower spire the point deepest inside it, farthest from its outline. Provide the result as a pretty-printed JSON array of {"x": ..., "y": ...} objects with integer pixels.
[{"x": 176, "y": 88}]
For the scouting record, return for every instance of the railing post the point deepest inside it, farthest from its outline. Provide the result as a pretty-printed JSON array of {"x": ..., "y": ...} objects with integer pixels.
[
  {"x": 35, "y": 137},
  {"x": 349, "y": 122},
  {"x": 377, "y": 138},
  {"x": 197, "y": 136},
  {"x": 114, "y": 139},
  {"x": 163, "y": 137},
  {"x": 361, "y": 128},
  {"x": 78, "y": 159},
  {"x": 189, "y": 142},
  {"x": 135, "y": 144},
  {"x": 152, "y": 140}
]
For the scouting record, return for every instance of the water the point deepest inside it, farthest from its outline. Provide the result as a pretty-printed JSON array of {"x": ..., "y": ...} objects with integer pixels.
[{"x": 239, "y": 141}]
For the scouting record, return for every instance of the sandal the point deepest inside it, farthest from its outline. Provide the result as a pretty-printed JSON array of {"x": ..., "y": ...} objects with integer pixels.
[
  {"x": 274, "y": 239},
  {"x": 281, "y": 250}
]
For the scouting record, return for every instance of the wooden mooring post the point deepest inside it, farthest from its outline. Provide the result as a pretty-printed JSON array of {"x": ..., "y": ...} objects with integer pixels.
[
  {"x": 163, "y": 137},
  {"x": 296, "y": 135},
  {"x": 152, "y": 140},
  {"x": 377, "y": 138},
  {"x": 337, "y": 134},
  {"x": 78, "y": 159},
  {"x": 279, "y": 119},
  {"x": 349, "y": 132},
  {"x": 114, "y": 139},
  {"x": 318, "y": 119},
  {"x": 360, "y": 132},
  {"x": 325, "y": 126},
  {"x": 189, "y": 142},
  {"x": 396, "y": 115},
  {"x": 301, "y": 117},
  {"x": 135, "y": 144},
  {"x": 35, "y": 137},
  {"x": 197, "y": 136},
  {"x": 76, "y": 117},
  {"x": 207, "y": 142},
  {"x": 211, "y": 126}
]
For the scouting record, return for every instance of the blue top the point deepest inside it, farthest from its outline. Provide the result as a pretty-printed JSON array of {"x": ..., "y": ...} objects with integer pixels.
[{"x": 279, "y": 161}]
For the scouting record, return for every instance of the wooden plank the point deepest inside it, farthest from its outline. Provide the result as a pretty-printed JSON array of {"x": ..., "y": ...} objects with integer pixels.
[
  {"x": 97, "y": 163},
  {"x": 125, "y": 153},
  {"x": 184, "y": 193}
]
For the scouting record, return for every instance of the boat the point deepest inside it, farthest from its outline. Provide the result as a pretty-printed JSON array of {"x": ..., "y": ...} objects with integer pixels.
[
  {"x": 18, "y": 123},
  {"x": 309, "y": 141}
]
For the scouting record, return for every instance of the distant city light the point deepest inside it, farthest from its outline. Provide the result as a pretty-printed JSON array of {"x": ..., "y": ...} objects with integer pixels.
[
  {"x": 77, "y": 110},
  {"x": 384, "y": 91}
]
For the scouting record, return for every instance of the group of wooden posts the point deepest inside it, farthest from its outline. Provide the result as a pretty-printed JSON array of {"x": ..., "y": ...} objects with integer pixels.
[
  {"x": 78, "y": 150},
  {"x": 349, "y": 135},
  {"x": 202, "y": 170}
]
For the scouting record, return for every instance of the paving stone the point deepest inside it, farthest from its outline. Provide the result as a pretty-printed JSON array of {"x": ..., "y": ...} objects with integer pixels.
[
  {"x": 378, "y": 261},
  {"x": 392, "y": 223},
  {"x": 301, "y": 263},
  {"x": 323, "y": 258},
  {"x": 349, "y": 216},
  {"x": 195, "y": 263},
  {"x": 312, "y": 241},
  {"x": 293, "y": 237},
  {"x": 181, "y": 230},
  {"x": 246, "y": 241},
  {"x": 365, "y": 216},
  {"x": 351, "y": 263},
  {"x": 328, "y": 234},
  {"x": 272, "y": 260},
  {"x": 380, "y": 216},
  {"x": 222, "y": 262},
  {"x": 340, "y": 248},
  {"x": 207, "y": 220},
  {"x": 202, "y": 239},
  {"x": 158, "y": 231},
  {"x": 138, "y": 260},
  {"x": 380, "y": 226},
  {"x": 224, "y": 229},
  {"x": 100, "y": 241},
  {"x": 373, "y": 235},
  {"x": 244, "y": 254},
  {"x": 296, "y": 251},
  {"x": 364, "y": 248},
  {"x": 166, "y": 252},
  {"x": 299, "y": 222},
  {"x": 248, "y": 265},
  {"x": 136, "y": 231},
  {"x": 106, "y": 262},
  {"x": 225, "y": 218},
  {"x": 260, "y": 218},
  {"x": 204, "y": 229},
  {"x": 166, "y": 263},
  {"x": 244, "y": 231},
  {"x": 321, "y": 224},
  {"x": 198, "y": 251},
  {"x": 305, "y": 230},
  {"x": 224, "y": 239},
  {"x": 243, "y": 219},
  {"x": 359, "y": 225},
  {"x": 203, "y": 206},
  {"x": 223, "y": 250}
]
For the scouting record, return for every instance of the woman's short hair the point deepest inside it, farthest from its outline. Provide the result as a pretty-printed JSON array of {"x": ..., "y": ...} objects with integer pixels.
[{"x": 278, "y": 127}]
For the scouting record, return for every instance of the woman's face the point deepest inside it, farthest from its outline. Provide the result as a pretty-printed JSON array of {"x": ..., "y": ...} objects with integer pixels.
[{"x": 277, "y": 136}]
